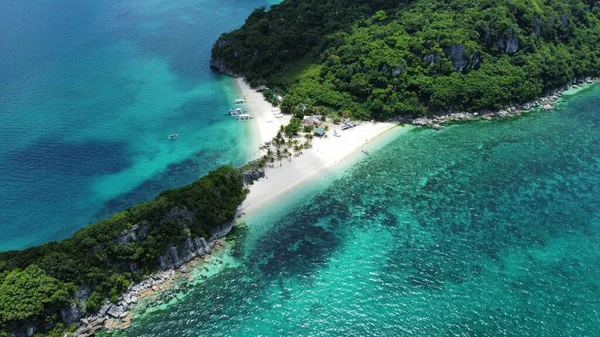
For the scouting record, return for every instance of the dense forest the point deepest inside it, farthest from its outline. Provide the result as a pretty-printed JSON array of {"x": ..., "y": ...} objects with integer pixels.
[
  {"x": 381, "y": 58},
  {"x": 108, "y": 256}
]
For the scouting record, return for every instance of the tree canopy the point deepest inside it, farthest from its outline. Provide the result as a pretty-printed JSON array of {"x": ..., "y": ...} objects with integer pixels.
[
  {"x": 107, "y": 256},
  {"x": 380, "y": 59}
]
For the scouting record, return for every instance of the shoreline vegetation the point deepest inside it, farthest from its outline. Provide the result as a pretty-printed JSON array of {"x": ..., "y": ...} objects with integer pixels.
[
  {"x": 357, "y": 64},
  {"x": 136, "y": 297},
  {"x": 281, "y": 180},
  {"x": 387, "y": 60},
  {"x": 261, "y": 185},
  {"x": 101, "y": 270}
]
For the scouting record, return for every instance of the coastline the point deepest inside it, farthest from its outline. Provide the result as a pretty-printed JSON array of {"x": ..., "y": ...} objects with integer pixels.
[
  {"x": 322, "y": 159},
  {"x": 545, "y": 103},
  {"x": 287, "y": 175},
  {"x": 264, "y": 124}
]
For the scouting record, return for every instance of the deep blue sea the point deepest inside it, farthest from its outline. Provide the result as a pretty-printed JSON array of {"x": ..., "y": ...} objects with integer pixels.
[
  {"x": 482, "y": 229},
  {"x": 89, "y": 93}
]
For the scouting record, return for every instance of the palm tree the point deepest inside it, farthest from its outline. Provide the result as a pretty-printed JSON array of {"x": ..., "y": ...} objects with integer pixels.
[
  {"x": 286, "y": 153},
  {"x": 289, "y": 142},
  {"x": 278, "y": 141},
  {"x": 262, "y": 162},
  {"x": 279, "y": 156},
  {"x": 309, "y": 138},
  {"x": 297, "y": 148},
  {"x": 271, "y": 160}
]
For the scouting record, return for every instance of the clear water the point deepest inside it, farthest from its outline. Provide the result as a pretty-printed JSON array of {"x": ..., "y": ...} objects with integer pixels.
[
  {"x": 485, "y": 229},
  {"x": 89, "y": 93}
]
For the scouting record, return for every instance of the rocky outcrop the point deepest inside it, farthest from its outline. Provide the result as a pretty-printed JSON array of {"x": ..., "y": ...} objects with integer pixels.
[
  {"x": 461, "y": 61},
  {"x": 77, "y": 309},
  {"x": 218, "y": 63},
  {"x": 393, "y": 71},
  {"x": 456, "y": 53},
  {"x": 190, "y": 248},
  {"x": 252, "y": 174},
  {"x": 537, "y": 27},
  {"x": 510, "y": 43},
  {"x": 546, "y": 103},
  {"x": 176, "y": 257},
  {"x": 137, "y": 232}
]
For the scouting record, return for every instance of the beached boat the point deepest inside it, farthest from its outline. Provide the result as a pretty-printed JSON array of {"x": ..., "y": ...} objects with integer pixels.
[
  {"x": 174, "y": 136},
  {"x": 235, "y": 112},
  {"x": 348, "y": 125},
  {"x": 336, "y": 134}
]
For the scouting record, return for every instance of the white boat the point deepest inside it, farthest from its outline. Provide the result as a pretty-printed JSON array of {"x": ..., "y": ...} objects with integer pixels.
[
  {"x": 174, "y": 136},
  {"x": 235, "y": 112},
  {"x": 240, "y": 101},
  {"x": 336, "y": 134},
  {"x": 365, "y": 152}
]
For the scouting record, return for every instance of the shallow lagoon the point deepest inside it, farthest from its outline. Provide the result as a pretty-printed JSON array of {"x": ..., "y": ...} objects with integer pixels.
[
  {"x": 483, "y": 229},
  {"x": 90, "y": 92}
]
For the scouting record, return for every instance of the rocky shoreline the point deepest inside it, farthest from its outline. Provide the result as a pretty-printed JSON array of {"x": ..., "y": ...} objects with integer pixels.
[
  {"x": 178, "y": 260},
  {"x": 175, "y": 264},
  {"x": 119, "y": 316},
  {"x": 546, "y": 103}
]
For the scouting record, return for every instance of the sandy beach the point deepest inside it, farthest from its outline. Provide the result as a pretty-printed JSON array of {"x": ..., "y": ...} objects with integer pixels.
[{"x": 313, "y": 162}]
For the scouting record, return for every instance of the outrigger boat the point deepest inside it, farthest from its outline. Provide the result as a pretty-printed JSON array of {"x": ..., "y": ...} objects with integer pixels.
[
  {"x": 365, "y": 152},
  {"x": 235, "y": 112},
  {"x": 174, "y": 136}
]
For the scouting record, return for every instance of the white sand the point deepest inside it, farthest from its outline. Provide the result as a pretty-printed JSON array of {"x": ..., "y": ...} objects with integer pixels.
[
  {"x": 265, "y": 123},
  {"x": 311, "y": 163}
]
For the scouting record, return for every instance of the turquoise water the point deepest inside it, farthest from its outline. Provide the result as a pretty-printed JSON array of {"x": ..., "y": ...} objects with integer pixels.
[
  {"x": 484, "y": 229},
  {"x": 89, "y": 93}
]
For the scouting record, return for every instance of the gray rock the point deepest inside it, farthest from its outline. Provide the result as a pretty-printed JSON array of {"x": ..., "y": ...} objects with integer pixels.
[
  {"x": 537, "y": 27},
  {"x": 115, "y": 311},
  {"x": 421, "y": 121},
  {"x": 456, "y": 53},
  {"x": 429, "y": 59},
  {"x": 564, "y": 19},
  {"x": 30, "y": 330},
  {"x": 509, "y": 44},
  {"x": 70, "y": 314},
  {"x": 252, "y": 174}
]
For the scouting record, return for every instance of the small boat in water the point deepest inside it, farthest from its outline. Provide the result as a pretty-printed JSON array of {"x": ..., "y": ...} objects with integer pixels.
[
  {"x": 365, "y": 152},
  {"x": 174, "y": 136},
  {"x": 236, "y": 112}
]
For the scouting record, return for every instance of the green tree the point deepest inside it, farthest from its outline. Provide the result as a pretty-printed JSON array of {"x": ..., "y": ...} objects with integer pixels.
[{"x": 31, "y": 294}]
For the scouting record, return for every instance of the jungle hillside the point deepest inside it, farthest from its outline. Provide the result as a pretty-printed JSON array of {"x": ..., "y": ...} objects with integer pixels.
[{"x": 381, "y": 59}]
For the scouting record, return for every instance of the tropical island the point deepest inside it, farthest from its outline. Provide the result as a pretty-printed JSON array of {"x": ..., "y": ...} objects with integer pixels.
[
  {"x": 341, "y": 60},
  {"x": 383, "y": 59}
]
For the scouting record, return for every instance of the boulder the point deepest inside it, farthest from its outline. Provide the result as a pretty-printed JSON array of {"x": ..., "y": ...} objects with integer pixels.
[
  {"x": 421, "y": 121},
  {"x": 115, "y": 311},
  {"x": 30, "y": 330}
]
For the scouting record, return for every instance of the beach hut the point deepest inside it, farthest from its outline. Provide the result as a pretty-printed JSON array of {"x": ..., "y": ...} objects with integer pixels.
[{"x": 319, "y": 132}]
